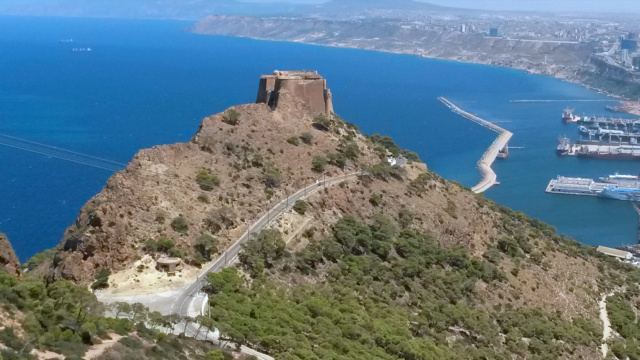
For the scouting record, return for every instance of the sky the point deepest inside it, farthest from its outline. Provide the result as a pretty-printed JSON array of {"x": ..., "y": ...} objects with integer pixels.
[{"x": 609, "y": 6}]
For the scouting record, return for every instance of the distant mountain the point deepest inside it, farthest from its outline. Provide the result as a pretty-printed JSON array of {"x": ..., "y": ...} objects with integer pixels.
[
  {"x": 380, "y": 4},
  {"x": 197, "y": 9}
]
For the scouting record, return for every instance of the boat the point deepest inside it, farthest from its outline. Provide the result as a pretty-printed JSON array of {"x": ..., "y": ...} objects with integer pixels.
[
  {"x": 612, "y": 152},
  {"x": 564, "y": 145},
  {"x": 568, "y": 116},
  {"x": 613, "y": 192},
  {"x": 81, "y": 50},
  {"x": 615, "y": 178}
]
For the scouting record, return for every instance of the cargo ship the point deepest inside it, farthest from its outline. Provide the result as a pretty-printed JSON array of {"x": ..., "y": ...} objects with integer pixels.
[
  {"x": 613, "y": 152},
  {"x": 569, "y": 117}
]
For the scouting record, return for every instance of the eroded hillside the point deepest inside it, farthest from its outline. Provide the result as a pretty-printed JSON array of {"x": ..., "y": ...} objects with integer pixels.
[{"x": 465, "y": 277}]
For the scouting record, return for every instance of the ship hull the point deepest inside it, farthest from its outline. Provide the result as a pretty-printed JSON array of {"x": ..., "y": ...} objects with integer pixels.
[
  {"x": 610, "y": 156},
  {"x": 617, "y": 195}
]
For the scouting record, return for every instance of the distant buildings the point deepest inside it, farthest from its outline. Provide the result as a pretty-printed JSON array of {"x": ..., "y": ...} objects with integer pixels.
[{"x": 494, "y": 32}]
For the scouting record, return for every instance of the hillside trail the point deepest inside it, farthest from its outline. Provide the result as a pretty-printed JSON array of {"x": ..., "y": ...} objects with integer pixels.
[{"x": 606, "y": 332}]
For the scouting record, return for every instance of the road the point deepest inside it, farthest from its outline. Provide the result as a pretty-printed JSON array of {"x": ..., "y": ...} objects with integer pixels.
[{"x": 181, "y": 301}]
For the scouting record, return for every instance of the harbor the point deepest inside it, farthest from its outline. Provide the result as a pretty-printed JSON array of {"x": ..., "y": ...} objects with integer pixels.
[{"x": 498, "y": 149}]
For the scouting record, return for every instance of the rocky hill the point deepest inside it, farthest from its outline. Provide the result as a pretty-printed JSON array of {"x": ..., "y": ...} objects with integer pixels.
[
  {"x": 8, "y": 259},
  {"x": 453, "y": 274}
]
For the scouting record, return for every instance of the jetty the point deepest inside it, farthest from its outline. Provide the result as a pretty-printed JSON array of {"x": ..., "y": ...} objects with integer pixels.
[{"x": 499, "y": 148}]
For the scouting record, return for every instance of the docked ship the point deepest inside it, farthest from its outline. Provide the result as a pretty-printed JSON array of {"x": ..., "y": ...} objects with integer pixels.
[
  {"x": 618, "y": 187},
  {"x": 569, "y": 117},
  {"x": 565, "y": 147},
  {"x": 614, "y": 152},
  {"x": 613, "y": 192}
]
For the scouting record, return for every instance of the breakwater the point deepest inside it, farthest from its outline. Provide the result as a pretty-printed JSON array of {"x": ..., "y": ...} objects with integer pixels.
[{"x": 489, "y": 177}]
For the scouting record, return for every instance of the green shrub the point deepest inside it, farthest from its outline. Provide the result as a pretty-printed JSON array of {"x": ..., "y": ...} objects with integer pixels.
[
  {"x": 294, "y": 140},
  {"x": 206, "y": 180},
  {"x": 318, "y": 163},
  {"x": 321, "y": 122},
  {"x": 203, "y": 198},
  {"x": 272, "y": 176},
  {"x": 179, "y": 224},
  {"x": 306, "y": 138},
  {"x": 301, "y": 207},
  {"x": 231, "y": 117}
]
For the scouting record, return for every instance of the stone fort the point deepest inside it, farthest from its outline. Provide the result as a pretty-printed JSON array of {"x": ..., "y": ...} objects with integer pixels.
[{"x": 305, "y": 85}]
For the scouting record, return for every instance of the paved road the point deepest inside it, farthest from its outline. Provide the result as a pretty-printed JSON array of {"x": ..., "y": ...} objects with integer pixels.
[{"x": 182, "y": 301}]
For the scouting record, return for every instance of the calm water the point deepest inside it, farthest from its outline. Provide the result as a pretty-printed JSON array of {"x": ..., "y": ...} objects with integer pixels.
[{"x": 148, "y": 82}]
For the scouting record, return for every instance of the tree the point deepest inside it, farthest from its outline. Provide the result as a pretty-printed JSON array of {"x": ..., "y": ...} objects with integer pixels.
[
  {"x": 172, "y": 320},
  {"x": 121, "y": 308},
  {"x": 226, "y": 281},
  {"x": 139, "y": 312},
  {"x": 206, "y": 245},
  {"x": 214, "y": 355},
  {"x": 156, "y": 319},
  {"x": 262, "y": 251},
  {"x": 300, "y": 207},
  {"x": 318, "y": 163},
  {"x": 102, "y": 279}
]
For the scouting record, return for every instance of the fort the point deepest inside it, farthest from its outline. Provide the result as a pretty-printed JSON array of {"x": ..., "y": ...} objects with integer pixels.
[{"x": 306, "y": 85}]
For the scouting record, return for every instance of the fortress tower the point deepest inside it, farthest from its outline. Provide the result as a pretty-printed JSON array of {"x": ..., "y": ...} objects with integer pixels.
[{"x": 306, "y": 85}]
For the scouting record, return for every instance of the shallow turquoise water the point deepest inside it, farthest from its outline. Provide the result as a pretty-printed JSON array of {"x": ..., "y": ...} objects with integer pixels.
[{"x": 148, "y": 82}]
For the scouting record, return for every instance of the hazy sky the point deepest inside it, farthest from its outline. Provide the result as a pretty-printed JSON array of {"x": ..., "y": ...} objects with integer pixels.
[{"x": 619, "y": 6}]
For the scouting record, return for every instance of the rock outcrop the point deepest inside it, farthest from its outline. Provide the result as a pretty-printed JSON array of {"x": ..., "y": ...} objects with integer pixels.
[{"x": 8, "y": 259}]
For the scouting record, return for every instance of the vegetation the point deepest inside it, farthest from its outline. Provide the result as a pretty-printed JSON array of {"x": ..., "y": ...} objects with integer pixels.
[
  {"x": 300, "y": 207},
  {"x": 206, "y": 180},
  {"x": 318, "y": 163},
  {"x": 162, "y": 245},
  {"x": 102, "y": 279},
  {"x": 321, "y": 122},
  {"x": 294, "y": 140},
  {"x": 306, "y": 138},
  {"x": 272, "y": 176},
  {"x": 179, "y": 224},
  {"x": 38, "y": 259},
  {"x": 387, "y": 143},
  {"x": 386, "y": 293},
  {"x": 206, "y": 246},
  {"x": 231, "y": 117}
]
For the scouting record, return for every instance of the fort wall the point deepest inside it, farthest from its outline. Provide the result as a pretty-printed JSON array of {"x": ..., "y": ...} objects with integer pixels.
[{"x": 305, "y": 85}]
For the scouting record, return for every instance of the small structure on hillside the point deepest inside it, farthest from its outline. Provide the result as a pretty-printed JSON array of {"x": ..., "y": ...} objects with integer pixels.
[
  {"x": 169, "y": 265},
  {"x": 620, "y": 254},
  {"x": 305, "y": 85}
]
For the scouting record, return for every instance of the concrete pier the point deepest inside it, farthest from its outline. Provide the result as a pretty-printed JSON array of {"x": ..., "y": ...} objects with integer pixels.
[{"x": 489, "y": 177}]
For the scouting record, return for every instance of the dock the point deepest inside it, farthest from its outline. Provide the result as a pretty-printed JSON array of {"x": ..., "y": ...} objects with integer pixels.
[{"x": 498, "y": 147}]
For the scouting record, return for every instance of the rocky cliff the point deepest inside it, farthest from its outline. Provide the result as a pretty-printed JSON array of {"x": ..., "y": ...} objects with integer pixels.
[{"x": 8, "y": 259}]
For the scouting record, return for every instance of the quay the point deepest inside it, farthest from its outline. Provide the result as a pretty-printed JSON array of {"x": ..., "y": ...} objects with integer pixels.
[{"x": 499, "y": 148}]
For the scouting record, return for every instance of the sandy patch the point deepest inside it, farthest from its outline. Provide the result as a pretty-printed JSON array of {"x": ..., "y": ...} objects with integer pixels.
[
  {"x": 95, "y": 351},
  {"x": 143, "y": 278}
]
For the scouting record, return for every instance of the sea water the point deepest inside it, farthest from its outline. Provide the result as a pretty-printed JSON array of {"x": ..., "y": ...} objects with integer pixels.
[{"x": 148, "y": 83}]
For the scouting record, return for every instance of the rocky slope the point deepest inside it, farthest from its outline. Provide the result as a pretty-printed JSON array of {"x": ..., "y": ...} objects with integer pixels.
[
  {"x": 8, "y": 259},
  {"x": 192, "y": 200}
]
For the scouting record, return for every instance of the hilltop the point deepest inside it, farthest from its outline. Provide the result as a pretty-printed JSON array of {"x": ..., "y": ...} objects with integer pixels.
[{"x": 452, "y": 274}]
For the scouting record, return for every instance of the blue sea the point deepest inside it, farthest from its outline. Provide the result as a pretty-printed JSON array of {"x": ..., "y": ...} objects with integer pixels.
[{"x": 150, "y": 82}]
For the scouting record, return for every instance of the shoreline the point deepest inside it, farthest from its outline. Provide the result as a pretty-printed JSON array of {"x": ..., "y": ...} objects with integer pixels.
[{"x": 628, "y": 105}]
